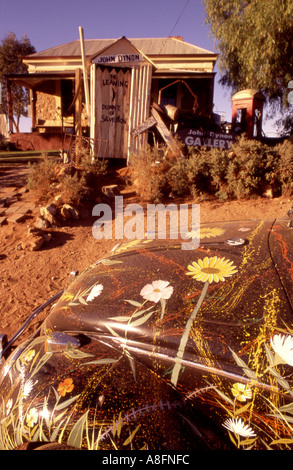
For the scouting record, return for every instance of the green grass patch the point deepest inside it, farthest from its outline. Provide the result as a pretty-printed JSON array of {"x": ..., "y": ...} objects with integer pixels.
[{"x": 25, "y": 156}]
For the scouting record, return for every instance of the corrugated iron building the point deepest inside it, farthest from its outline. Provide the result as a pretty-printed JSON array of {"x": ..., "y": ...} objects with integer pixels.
[{"x": 125, "y": 77}]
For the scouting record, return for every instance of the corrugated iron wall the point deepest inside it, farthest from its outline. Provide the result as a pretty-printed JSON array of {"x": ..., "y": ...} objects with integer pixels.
[
  {"x": 141, "y": 79},
  {"x": 120, "y": 101}
]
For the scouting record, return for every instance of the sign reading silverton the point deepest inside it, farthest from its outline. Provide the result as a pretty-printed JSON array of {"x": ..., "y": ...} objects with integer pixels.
[{"x": 198, "y": 138}]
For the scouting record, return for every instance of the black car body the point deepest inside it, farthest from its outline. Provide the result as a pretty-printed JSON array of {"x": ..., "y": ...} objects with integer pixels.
[{"x": 159, "y": 348}]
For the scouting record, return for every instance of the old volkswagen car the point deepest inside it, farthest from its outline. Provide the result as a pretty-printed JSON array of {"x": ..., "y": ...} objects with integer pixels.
[{"x": 159, "y": 348}]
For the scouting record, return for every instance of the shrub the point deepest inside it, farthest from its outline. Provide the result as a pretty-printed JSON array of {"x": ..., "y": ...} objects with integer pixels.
[
  {"x": 191, "y": 176},
  {"x": 150, "y": 174},
  {"x": 285, "y": 167},
  {"x": 48, "y": 179},
  {"x": 72, "y": 188},
  {"x": 96, "y": 167},
  {"x": 179, "y": 178},
  {"x": 41, "y": 177},
  {"x": 251, "y": 168},
  {"x": 245, "y": 170}
]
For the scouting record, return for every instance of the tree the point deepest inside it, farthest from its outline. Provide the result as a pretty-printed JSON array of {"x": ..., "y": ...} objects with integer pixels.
[
  {"x": 254, "y": 39},
  {"x": 11, "y": 52}
]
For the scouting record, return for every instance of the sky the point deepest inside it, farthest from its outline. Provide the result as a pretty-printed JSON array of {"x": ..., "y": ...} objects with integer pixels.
[{"x": 55, "y": 22}]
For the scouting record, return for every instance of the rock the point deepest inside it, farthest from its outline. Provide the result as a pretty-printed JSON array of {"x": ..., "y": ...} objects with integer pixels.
[
  {"x": 47, "y": 237},
  {"x": 111, "y": 190},
  {"x": 69, "y": 212},
  {"x": 268, "y": 193},
  {"x": 34, "y": 243},
  {"x": 52, "y": 209},
  {"x": 59, "y": 200},
  {"x": 42, "y": 223},
  {"x": 49, "y": 213},
  {"x": 36, "y": 238},
  {"x": 34, "y": 231}
]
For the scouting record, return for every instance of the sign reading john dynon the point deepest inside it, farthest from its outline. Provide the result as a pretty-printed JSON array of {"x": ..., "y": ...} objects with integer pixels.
[
  {"x": 198, "y": 138},
  {"x": 118, "y": 58}
]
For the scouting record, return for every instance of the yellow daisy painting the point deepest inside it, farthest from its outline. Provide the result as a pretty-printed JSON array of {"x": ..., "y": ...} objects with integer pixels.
[
  {"x": 241, "y": 392},
  {"x": 206, "y": 232},
  {"x": 211, "y": 269}
]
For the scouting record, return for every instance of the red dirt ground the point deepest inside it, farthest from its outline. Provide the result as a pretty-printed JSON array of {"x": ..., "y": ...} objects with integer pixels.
[{"x": 29, "y": 278}]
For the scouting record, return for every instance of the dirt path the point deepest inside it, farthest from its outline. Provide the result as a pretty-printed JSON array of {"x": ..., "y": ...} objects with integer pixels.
[{"x": 29, "y": 278}]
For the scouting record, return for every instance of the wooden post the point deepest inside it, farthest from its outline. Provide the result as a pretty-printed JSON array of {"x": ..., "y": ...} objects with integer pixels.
[
  {"x": 10, "y": 110},
  {"x": 33, "y": 108},
  {"x": 77, "y": 114},
  {"x": 78, "y": 103},
  {"x": 85, "y": 78},
  {"x": 166, "y": 134}
]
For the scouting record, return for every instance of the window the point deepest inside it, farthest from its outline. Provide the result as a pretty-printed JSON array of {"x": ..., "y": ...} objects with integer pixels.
[{"x": 67, "y": 95}]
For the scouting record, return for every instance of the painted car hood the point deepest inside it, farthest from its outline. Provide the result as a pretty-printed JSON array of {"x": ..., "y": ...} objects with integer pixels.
[
  {"x": 167, "y": 359},
  {"x": 107, "y": 298}
]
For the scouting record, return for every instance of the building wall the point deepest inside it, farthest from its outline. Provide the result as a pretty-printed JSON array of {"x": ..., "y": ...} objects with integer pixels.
[
  {"x": 46, "y": 107},
  {"x": 49, "y": 112}
]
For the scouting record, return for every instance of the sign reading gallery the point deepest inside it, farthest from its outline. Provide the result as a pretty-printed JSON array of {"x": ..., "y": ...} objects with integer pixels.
[{"x": 198, "y": 138}]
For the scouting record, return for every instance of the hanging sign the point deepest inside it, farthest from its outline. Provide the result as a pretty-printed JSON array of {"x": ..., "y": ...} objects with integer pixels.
[
  {"x": 198, "y": 138},
  {"x": 144, "y": 126}
]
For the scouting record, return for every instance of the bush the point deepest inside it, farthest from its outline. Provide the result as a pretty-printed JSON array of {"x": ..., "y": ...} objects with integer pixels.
[
  {"x": 41, "y": 177},
  {"x": 72, "y": 188},
  {"x": 192, "y": 176},
  {"x": 252, "y": 167},
  {"x": 285, "y": 167},
  {"x": 48, "y": 179},
  {"x": 246, "y": 170},
  {"x": 150, "y": 172},
  {"x": 96, "y": 167}
]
